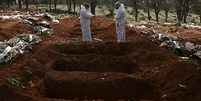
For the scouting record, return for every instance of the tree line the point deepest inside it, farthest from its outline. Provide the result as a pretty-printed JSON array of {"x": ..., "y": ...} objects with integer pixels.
[{"x": 182, "y": 7}]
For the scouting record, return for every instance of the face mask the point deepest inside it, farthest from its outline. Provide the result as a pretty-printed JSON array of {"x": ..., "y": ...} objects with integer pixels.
[
  {"x": 87, "y": 9},
  {"x": 116, "y": 8}
]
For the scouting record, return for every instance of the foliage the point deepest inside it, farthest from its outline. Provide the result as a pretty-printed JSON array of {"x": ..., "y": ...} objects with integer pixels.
[
  {"x": 190, "y": 61},
  {"x": 135, "y": 8},
  {"x": 178, "y": 23},
  {"x": 159, "y": 27}
]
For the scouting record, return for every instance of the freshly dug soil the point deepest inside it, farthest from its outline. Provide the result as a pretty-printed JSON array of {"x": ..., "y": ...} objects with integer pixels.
[{"x": 62, "y": 67}]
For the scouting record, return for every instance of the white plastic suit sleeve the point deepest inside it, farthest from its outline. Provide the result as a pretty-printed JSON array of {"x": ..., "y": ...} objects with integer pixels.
[{"x": 84, "y": 13}]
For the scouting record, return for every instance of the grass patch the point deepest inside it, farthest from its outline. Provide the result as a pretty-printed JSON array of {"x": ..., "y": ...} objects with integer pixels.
[
  {"x": 103, "y": 10},
  {"x": 139, "y": 22},
  {"x": 159, "y": 27}
]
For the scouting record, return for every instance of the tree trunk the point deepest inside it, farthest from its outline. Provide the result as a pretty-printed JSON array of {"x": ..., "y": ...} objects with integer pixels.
[
  {"x": 11, "y": 2},
  {"x": 67, "y": 4},
  {"x": 74, "y": 5},
  {"x": 70, "y": 6},
  {"x": 148, "y": 8},
  {"x": 157, "y": 16},
  {"x": 182, "y": 8},
  {"x": 185, "y": 16},
  {"x": 186, "y": 11},
  {"x": 149, "y": 17},
  {"x": 200, "y": 18},
  {"x": 55, "y": 6},
  {"x": 136, "y": 9},
  {"x": 136, "y": 15},
  {"x": 27, "y": 4},
  {"x": 93, "y": 6},
  {"x": 179, "y": 15},
  {"x": 15, "y": 2},
  {"x": 50, "y": 5},
  {"x": 166, "y": 15},
  {"x": 178, "y": 10},
  {"x": 8, "y": 3},
  {"x": 20, "y": 3}
]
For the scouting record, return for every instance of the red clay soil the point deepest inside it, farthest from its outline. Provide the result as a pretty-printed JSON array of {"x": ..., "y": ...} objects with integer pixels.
[
  {"x": 10, "y": 28},
  {"x": 63, "y": 68},
  {"x": 189, "y": 35}
]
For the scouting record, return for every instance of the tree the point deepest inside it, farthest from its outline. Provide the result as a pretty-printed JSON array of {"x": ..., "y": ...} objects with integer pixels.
[
  {"x": 50, "y": 5},
  {"x": 8, "y": 3},
  {"x": 20, "y": 3},
  {"x": 110, "y": 4},
  {"x": 147, "y": 5},
  {"x": 135, "y": 7},
  {"x": 93, "y": 4},
  {"x": 11, "y": 1},
  {"x": 15, "y": 2},
  {"x": 156, "y": 4},
  {"x": 70, "y": 5},
  {"x": 196, "y": 9},
  {"x": 67, "y": 4},
  {"x": 74, "y": 4},
  {"x": 55, "y": 5},
  {"x": 183, "y": 7},
  {"x": 167, "y": 5},
  {"x": 80, "y": 3},
  {"x": 27, "y": 4},
  {"x": 189, "y": 6}
]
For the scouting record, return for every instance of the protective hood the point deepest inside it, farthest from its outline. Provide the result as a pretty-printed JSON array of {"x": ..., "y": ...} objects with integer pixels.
[
  {"x": 122, "y": 6},
  {"x": 82, "y": 7}
]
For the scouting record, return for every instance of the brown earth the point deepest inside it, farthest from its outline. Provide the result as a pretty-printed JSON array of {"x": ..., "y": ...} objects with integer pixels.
[{"x": 63, "y": 68}]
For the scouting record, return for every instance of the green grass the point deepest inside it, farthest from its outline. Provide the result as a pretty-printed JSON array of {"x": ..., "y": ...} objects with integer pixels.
[
  {"x": 139, "y": 22},
  {"x": 103, "y": 10},
  {"x": 159, "y": 27}
]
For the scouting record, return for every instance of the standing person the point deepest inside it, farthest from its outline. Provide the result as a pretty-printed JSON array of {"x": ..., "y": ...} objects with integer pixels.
[
  {"x": 85, "y": 23},
  {"x": 120, "y": 18}
]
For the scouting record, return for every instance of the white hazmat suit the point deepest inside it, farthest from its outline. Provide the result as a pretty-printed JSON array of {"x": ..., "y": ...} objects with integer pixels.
[
  {"x": 85, "y": 23},
  {"x": 120, "y": 18}
]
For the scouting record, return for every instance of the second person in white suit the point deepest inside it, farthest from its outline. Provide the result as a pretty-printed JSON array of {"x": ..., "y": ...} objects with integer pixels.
[
  {"x": 85, "y": 23},
  {"x": 120, "y": 18}
]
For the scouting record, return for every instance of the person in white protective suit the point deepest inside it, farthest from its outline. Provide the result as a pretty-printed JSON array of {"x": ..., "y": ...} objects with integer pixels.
[
  {"x": 85, "y": 23},
  {"x": 120, "y": 18}
]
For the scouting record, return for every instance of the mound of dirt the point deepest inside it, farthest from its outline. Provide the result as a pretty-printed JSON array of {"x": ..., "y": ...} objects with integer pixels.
[
  {"x": 10, "y": 28},
  {"x": 7, "y": 93},
  {"x": 102, "y": 28}
]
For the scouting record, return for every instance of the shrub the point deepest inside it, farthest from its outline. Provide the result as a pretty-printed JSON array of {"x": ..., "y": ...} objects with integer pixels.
[
  {"x": 178, "y": 23},
  {"x": 100, "y": 7}
]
